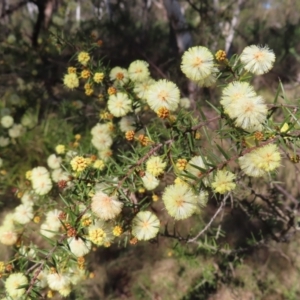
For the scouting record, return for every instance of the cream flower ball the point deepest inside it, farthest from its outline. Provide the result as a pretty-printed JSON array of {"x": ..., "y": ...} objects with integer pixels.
[
  {"x": 105, "y": 207},
  {"x": 223, "y": 182},
  {"x": 105, "y": 153},
  {"x": 180, "y": 201},
  {"x": 260, "y": 161},
  {"x": 42, "y": 279},
  {"x": 185, "y": 103},
  {"x": 54, "y": 161},
  {"x": 197, "y": 167},
  {"x": 119, "y": 104},
  {"x": 119, "y": 75},
  {"x": 234, "y": 92},
  {"x": 52, "y": 218},
  {"x": 42, "y": 185},
  {"x": 102, "y": 141},
  {"x": 99, "y": 129},
  {"x": 28, "y": 198},
  {"x": 141, "y": 88},
  {"x": 145, "y": 225},
  {"x": 23, "y": 214},
  {"x": 150, "y": 182},
  {"x": 77, "y": 275},
  {"x": 83, "y": 57},
  {"x": 39, "y": 172},
  {"x": 202, "y": 200},
  {"x": 13, "y": 283},
  {"x": 4, "y": 141},
  {"x": 48, "y": 230},
  {"x": 7, "y": 121},
  {"x": 78, "y": 246},
  {"x": 65, "y": 291},
  {"x": 58, "y": 281},
  {"x": 197, "y": 63},
  {"x": 101, "y": 232},
  {"x": 249, "y": 114},
  {"x": 138, "y": 70},
  {"x": 59, "y": 174},
  {"x": 210, "y": 80},
  {"x": 163, "y": 93},
  {"x": 8, "y": 235},
  {"x": 242, "y": 104},
  {"x": 257, "y": 60},
  {"x": 9, "y": 220},
  {"x": 155, "y": 166},
  {"x": 29, "y": 119},
  {"x": 127, "y": 124},
  {"x": 16, "y": 130}
]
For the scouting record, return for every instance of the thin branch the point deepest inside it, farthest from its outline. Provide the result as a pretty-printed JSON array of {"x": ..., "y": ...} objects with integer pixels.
[
  {"x": 211, "y": 220},
  {"x": 205, "y": 123},
  {"x": 42, "y": 263},
  {"x": 285, "y": 193},
  {"x": 283, "y": 105}
]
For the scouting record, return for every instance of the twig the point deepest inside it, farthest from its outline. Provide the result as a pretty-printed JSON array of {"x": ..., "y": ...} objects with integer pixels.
[
  {"x": 211, "y": 220},
  {"x": 205, "y": 123},
  {"x": 42, "y": 263},
  {"x": 285, "y": 193},
  {"x": 283, "y": 105}
]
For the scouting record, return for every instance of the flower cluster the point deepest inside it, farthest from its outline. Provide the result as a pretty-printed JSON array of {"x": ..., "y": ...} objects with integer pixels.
[
  {"x": 14, "y": 130},
  {"x": 41, "y": 181},
  {"x": 145, "y": 146},
  {"x": 260, "y": 161},
  {"x": 244, "y": 106},
  {"x": 102, "y": 139}
]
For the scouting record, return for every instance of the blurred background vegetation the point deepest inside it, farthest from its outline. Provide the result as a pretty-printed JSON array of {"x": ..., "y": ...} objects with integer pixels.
[{"x": 39, "y": 37}]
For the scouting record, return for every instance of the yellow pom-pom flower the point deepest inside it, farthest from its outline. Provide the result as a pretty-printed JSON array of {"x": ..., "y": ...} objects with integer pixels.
[
  {"x": 98, "y": 77},
  {"x": 155, "y": 166},
  {"x": 260, "y": 161},
  {"x": 99, "y": 164},
  {"x": 83, "y": 57},
  {"x": 28, "y": 175},
  {"x": 79, "y": 163},
  {"x": 71, "y": 81},
  {"x": 117, "y": 231},
  {"x": 181, "y": 163},
  {"x": 223, "y": 182},
  {"x": 60, "y": 149},
  {"x": 85, "y": 74},
  {"x": 71, "y": 70}
]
